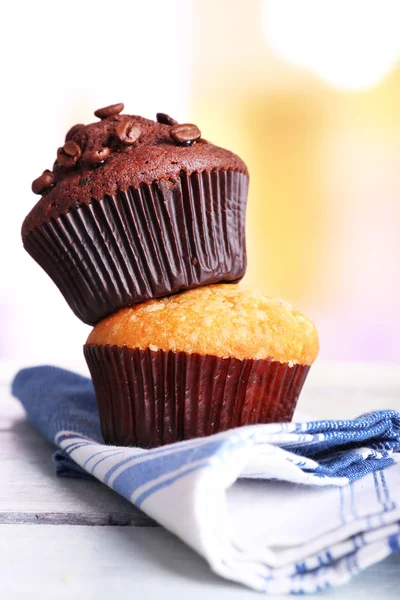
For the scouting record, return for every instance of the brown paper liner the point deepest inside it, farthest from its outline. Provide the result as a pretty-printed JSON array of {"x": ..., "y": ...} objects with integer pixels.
[
  {"x": 146, "y": 243},
  {"x": 150, "y": 398}
]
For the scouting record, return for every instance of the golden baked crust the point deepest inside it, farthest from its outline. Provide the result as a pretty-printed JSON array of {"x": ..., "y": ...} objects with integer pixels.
[{"x": 222, "y": 320}]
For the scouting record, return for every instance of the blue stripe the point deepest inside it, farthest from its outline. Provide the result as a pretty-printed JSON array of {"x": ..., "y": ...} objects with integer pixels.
[
  {"x": 166, "y": 483},
  {"x": 95, "y": 454},
  {"x": 394, "y": 542},
  {"x": 181, "y": 449},
  {"x": 70, "y": 436},
  {"x": 377, "y": 489},
  {"x": 115, "y": 467},
  {"x": 356, "y": 568},
  {"x": 96, "y": 464},
  {"x": 136, "y": 475},
  {"x": 348, "y": 564},
  {"x": 300, "y": 568},
  {"x": 72, "y": 447},
  {"x": 389, "y": 504}
]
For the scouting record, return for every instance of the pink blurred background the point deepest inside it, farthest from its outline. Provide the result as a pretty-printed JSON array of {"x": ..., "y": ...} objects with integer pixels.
[{"x": 307, "y": 92}]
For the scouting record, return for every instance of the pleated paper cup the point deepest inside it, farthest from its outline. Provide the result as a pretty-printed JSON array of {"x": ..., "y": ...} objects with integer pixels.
[
  {"x": 146, "y": 243},
  {"x": 150, "y": 398}
]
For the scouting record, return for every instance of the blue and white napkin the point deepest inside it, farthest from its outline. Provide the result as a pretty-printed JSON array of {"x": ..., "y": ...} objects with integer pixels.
[{"x": 281, "y": 508}]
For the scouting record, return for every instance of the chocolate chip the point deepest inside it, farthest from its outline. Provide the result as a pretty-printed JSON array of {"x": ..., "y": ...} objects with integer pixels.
[
  {"x": 69, "y": 154},
  {"x": 185, "y": 133},
  {"x": 72, "y": 149},
  {"x": 165, "y": 119},
  {"x": 73, "y": 130},
  {"x": 43, "y": 183},
  {"x": 63, "y": 159},
  {"x": 94, "y": 157},
  {"x": 194, "y": 260},
  {"x": 109, "y": 111},
  {"x": 128, "y": 132}
]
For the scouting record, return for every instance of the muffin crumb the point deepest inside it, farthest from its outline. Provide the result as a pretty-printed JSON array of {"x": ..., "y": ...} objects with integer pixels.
[{"x": 222, "y": 320}]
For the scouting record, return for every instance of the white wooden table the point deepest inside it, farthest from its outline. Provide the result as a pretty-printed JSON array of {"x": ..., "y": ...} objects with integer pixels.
[{"x": 65, "y": 538}]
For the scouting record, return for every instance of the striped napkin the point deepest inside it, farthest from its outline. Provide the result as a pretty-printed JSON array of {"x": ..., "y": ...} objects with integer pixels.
[{"x": 282, "y": 508}]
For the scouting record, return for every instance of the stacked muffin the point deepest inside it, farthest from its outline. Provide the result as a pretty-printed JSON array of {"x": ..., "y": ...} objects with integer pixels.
[{"x": 139, "y": 225}]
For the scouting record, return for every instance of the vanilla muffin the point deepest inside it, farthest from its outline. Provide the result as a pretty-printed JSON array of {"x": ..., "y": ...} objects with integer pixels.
[{"x": 199, "y": 362}]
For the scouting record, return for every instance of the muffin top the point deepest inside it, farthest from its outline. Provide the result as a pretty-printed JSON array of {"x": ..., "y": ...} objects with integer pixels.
[
  {"x": 223, "y": 320},
  {"x": 121, "y": 151}
]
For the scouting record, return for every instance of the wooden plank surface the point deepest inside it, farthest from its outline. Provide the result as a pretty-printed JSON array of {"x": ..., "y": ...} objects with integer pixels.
[
  {"x": 43, "y": 563},
  {"x": 30, "y": 492}
]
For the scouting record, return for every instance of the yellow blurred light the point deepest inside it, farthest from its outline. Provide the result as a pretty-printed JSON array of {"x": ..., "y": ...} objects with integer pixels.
[{"x": 350, "y": 44}]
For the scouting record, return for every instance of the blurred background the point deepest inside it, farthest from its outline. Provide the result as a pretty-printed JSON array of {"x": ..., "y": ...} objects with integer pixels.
[{"x": 307, "y": 92}]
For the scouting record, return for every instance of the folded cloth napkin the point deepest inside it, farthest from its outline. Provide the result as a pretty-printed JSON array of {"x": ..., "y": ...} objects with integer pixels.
[{"x": 282, "y": 508}]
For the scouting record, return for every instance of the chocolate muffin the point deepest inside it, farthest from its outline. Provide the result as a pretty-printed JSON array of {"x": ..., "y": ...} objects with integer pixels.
[
  {"x": 196, "y": 363},
  {"x": 136, "y": 209}
]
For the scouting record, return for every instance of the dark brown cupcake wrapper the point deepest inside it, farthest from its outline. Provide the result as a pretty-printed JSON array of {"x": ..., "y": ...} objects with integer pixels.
[
  {"x": 150, "y": 398},
  {"x": 146, "y": 243}
]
